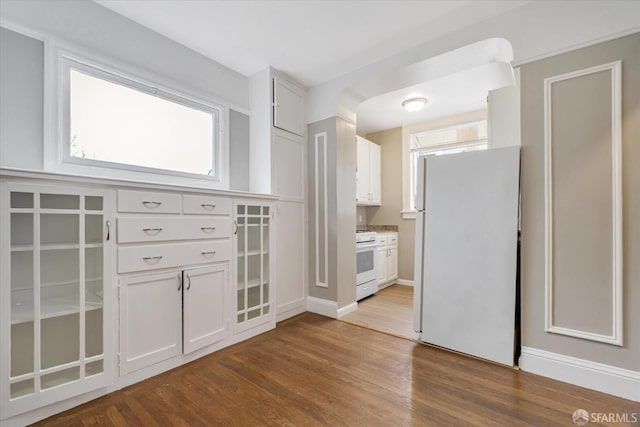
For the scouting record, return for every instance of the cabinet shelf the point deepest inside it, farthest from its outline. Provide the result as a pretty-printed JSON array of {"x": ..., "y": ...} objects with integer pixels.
[
  {"x": 53, "y": 247},
  {"x": 255, "y": 283},
  {"x": 22, "y": 312}
]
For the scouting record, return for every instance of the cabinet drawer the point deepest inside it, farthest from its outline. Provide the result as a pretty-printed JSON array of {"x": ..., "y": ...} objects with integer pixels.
[
  {"x": 144, "y": 201},
  {"x": 156, "y": 229},
  {"x": 207, "y": 205},
  {"x": 381, "y": 240},
  {"x": 151, "y": 257}
]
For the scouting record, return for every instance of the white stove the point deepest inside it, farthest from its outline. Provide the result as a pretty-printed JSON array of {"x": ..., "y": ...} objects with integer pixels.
[{"x": 366, "y": 277}]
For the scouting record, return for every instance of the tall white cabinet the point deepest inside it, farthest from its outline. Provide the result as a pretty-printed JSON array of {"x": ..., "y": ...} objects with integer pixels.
[
  {"x": 278, "y": 166},
  {"x": 55, "y": 296},
  {"x": 368, "y": 173}
]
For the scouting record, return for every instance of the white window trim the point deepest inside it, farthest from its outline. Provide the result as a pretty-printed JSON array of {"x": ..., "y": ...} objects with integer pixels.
[
  {"x": 408, "y": 130},
  {"x": 56, "y": 145}
]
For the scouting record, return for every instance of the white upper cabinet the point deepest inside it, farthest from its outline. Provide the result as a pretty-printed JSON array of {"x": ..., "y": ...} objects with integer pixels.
[
  {"x": 288, "y": 106},
  {"x": 368, "y": 172}
]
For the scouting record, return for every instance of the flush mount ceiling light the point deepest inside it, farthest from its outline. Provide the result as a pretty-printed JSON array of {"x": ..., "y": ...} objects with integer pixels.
[{"x": 414, "y": 104}]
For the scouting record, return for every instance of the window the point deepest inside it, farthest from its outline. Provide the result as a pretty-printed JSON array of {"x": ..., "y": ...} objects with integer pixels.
[
  {"x": 438, "y": 142},
  {"x": 111, "y": 123}
]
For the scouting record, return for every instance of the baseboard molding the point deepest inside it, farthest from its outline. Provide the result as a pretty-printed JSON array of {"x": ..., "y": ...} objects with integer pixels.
[
  {"x": 404, "y": 282},
  {"x": 584, "y": 373},
  {"x": 322, "y": 306},
  {"x": 290, "y": 309},
  {"x": 347, "y": 309}
]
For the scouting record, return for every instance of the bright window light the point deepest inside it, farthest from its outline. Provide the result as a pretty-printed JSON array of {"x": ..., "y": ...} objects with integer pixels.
[{"x": 123, "y": 124}]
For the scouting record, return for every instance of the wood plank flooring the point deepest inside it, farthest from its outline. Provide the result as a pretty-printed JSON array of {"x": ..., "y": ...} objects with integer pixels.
[
  {"x": 315, "y": 371},
  {"x": 389, "y": 311}
]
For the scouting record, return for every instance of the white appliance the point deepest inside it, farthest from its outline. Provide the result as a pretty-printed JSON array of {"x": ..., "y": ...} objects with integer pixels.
[
  {"x": 366, "y": 277},
  {"x": 466, "y": 252}
]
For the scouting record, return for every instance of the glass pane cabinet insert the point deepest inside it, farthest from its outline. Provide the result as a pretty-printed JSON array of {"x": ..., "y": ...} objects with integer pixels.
[
  {"x": 54, "y": 296},
  {"x": 253, "y": 302}
]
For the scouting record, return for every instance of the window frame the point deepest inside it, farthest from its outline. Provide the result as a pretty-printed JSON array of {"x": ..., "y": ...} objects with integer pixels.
[
  {"x": 429, "y": 149},
  {"x": 59, "y": 60}
]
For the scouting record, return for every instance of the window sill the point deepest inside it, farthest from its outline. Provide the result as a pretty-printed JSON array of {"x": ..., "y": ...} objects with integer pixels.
[{"x": 410, "y": 214}]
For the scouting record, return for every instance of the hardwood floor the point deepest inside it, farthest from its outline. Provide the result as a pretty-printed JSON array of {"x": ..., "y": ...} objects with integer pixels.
[
  {"x": 315, "y": 371},
  {"x": 389, "y": 311}
]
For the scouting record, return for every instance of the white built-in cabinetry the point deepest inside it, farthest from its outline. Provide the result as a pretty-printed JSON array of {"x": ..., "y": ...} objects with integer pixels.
[
  {"x": 56, "y": 300},
  {"x": 368, "y": 172},
  {"x": 288, "y": 105},
  {"x": 387, "y": 262},
  {"x": 99, "y": 292},
  {"x": 278, "y": 166},
  {"x": 184, "y": 306},
  {"x": 253, "y": 288}
]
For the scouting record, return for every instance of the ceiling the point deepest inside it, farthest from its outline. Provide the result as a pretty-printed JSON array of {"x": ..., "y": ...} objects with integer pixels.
[
  {"x": 312, "y": 41},
  {"x": 457, "y": 93}
]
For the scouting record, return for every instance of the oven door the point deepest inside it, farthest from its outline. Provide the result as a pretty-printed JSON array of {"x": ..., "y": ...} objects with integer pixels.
[{"x": 366, "y": 263}]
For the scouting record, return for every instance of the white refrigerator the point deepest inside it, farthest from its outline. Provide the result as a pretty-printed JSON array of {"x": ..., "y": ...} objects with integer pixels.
[{"x": 466, "y": 252}]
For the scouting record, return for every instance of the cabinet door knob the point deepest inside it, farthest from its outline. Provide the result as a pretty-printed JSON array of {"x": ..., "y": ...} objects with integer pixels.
[
  {"x": 179, "y": 282},
  {"x": 188, "y": 282},
  {"x": 108, "y": 224}
]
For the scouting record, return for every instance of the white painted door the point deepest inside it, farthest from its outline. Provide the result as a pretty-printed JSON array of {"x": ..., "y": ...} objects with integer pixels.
[
  {"x": 362, "y": 171},
  {"x": 288, "y": 106},
  {"x": 470, "y": 244},
  {"x": 204, "y": 307},
  {"x": 150, "y": 320},
  {"x": 381, "y": 265},
  {"x": 392, "y": 263},
  {"x": 375, "y": 173}
]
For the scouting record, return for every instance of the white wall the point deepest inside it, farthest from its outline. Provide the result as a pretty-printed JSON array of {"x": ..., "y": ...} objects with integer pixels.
[
  {"x": 98, "y": 30},
  {"x": 535, "y": 30},
  {"x": 21, "y": 111},
  {"x": 503, "y": 115}
]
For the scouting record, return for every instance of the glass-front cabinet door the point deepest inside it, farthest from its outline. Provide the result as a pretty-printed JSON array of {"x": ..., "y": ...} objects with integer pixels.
[
  {"x": 55, "y": 294},
  {"x": 254, "y": 301}
]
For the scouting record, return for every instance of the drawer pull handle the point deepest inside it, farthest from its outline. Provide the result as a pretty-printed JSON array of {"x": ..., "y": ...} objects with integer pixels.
[
  {"x": 208, "y": 206},
  {"x": 151, "y": 204},
  {"x": 208, "y": 253},
  {"x": 207, "y": 228},
  {"x": 152, "y": 258},
  {"x": 152, "y": 229}
]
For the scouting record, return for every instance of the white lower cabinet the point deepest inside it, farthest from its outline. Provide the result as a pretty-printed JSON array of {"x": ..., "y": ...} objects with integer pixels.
[
  {"x": 168, "y": 314},
  {"x": 253, "y": 287},
  {"x": 71, "y": 300},
  {"x": 204, "y": 306},
  {"x": 387, "y": 261},
  {"x": 56, "y": 300},
  {"x": 150, "y": 320}
]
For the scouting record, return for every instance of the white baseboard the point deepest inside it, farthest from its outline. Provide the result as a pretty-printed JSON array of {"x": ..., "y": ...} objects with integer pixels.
[
  {"x": 404, "y": 282},
  {"x": 322, "y": 306},
  {"x": 347, "y": 309},
  {"x": 290, "y": 309},
  {"x": 584, "y": 373}
]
